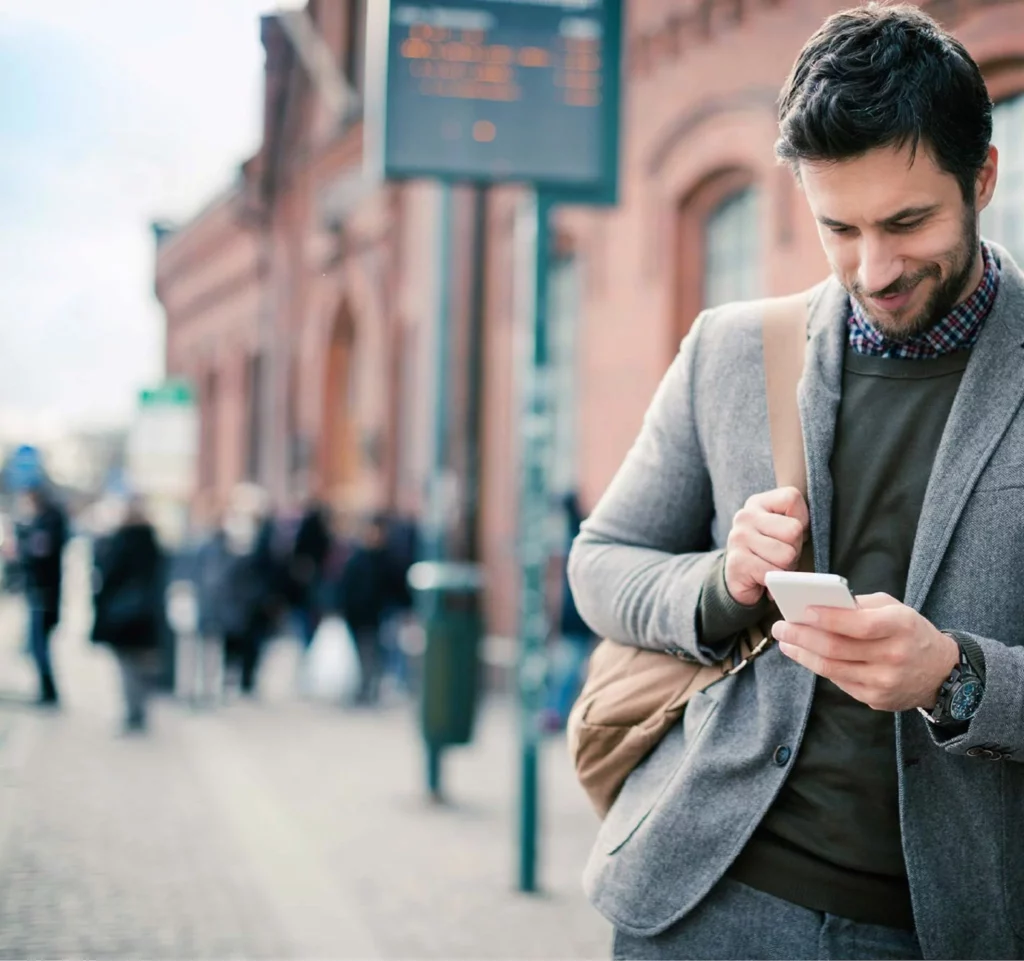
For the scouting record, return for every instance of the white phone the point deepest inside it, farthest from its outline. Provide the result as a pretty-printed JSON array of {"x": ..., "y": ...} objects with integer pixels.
[{"x": 795, "y": 591}]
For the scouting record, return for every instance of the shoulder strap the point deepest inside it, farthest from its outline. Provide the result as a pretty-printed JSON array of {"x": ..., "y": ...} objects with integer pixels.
[{"x": 784, "y": 332}]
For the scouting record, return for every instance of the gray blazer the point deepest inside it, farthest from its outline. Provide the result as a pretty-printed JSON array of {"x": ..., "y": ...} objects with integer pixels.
[{"x": 637, "y": 569}]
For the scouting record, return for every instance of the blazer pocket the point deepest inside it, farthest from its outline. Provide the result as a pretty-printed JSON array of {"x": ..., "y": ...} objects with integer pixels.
[
  {"x": 997, "y": 477},
  {"x": 649, "y": 781}
]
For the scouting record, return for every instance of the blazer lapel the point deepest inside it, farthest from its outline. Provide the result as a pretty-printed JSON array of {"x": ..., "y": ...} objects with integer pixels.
[
  {"x": 818, "y": 396},
  {"x": 989, "y": 397}
]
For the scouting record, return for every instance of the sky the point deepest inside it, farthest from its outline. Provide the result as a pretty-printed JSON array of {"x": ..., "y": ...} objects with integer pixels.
[{"x": 113, "y": 113}]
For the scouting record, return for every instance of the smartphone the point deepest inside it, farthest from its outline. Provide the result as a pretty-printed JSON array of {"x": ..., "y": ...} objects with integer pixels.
[{"x": 795, "y": 591}]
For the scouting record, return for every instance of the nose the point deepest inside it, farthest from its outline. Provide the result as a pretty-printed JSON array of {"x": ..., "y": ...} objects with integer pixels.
[{"x": 879, "y": 264}]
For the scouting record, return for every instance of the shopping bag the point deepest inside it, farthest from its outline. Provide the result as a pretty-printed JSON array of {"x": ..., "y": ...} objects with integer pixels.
[{"x": 332, "y": 662}]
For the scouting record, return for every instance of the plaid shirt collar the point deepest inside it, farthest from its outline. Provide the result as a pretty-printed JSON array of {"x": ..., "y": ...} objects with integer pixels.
[{"x": 958, "y": 330}]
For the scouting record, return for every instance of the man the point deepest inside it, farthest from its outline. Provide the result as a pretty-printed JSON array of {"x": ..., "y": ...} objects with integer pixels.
[
  {"x": 849, "y": 794},
  {"x": 363, "y": 594},
  {"x": 575, "y": 639},
  {"x": 41, "y": 548},
  {"x": 309, "y": 557}
]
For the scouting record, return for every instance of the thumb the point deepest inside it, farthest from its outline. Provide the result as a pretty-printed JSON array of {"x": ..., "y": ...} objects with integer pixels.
[{"x": 874, "y": 601}]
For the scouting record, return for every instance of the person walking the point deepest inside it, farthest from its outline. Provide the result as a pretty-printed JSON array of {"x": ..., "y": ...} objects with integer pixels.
[
  {"x": 575, "y": 639},
  {"x": 306, "y": 567},
  {"x": 248, "y": 583},
  {"x": 363, "y": 596},
  {"x": 128, "y": 606},
  {"x": 854, "y": 792},
  {"x": 42, "y": 538}
]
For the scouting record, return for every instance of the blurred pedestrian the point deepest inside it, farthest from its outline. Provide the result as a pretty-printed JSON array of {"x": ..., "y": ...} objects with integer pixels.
[
  {"x": 42, "y": 537},
  {"x": 363, "y": 594},
  {"x": 401, "y": 547},
  {"x": 208, "y": 573},
  {"x": 306, "y": 568},
  {"x": 128, "y": 605},
  {"x": 575, "y": 639},
  {"x": 248, "y": 600}
]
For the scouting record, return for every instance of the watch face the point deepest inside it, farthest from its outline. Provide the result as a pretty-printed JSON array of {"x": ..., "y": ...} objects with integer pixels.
[{"x": 965, "y": 702}]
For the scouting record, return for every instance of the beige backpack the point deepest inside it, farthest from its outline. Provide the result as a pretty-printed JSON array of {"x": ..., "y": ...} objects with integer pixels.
[{"x": 633, "y": 696}]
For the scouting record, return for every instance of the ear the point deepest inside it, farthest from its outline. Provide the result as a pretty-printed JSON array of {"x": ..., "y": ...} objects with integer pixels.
[{"x": 985, "y": 184}]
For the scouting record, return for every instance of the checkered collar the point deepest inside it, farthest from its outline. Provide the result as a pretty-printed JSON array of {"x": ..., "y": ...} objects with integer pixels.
[{"x": 958, "y": 330}]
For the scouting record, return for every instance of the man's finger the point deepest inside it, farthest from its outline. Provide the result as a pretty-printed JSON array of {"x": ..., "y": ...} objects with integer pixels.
[
  {"x": 871, "y": 601},
  {"x": 776, "y": 554},
  {"x": 822, "y": 644},
  {"x": 841, "y": 673},
  {"x": 784, "y": 500},
  {"x": 870, "y": 624},
  {"x": 780, "y": 527}
]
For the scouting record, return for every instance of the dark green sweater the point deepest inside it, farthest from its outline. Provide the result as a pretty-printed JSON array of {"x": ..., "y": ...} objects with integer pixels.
[{"x": 831, "y": 841}]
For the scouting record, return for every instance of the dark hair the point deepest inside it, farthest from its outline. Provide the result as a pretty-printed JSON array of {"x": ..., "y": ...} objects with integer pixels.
[{"x": 886, "y": 76}]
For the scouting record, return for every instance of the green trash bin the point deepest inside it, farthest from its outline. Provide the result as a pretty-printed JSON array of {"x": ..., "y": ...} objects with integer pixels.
[{"x": 448, "y": 602}]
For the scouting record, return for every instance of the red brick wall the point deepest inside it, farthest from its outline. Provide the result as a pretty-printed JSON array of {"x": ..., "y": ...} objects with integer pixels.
[{"x": 699, "y": 120}]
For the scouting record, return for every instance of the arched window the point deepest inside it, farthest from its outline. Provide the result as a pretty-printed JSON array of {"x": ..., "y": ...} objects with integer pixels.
[
  {"x": 732, "y": 250},
  {"x": 1003, "y": 219}
]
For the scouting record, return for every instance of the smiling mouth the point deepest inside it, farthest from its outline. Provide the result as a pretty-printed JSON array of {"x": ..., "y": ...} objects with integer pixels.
[{"x": 892, "y": 302}]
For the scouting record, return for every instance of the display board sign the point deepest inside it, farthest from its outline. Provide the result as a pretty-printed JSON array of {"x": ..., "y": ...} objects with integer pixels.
[
  {"x": 504, "y": 91},
  {"x": 163, "y": 442}
]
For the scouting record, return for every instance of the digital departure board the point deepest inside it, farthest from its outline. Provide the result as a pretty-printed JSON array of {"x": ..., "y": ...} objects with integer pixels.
[{"x": 504, "y": 90}]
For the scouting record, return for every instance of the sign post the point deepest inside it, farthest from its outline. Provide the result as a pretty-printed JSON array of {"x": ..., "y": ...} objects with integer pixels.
[
  {"x": 509, "y": 91},
  {"x": 534, "y": 508}
]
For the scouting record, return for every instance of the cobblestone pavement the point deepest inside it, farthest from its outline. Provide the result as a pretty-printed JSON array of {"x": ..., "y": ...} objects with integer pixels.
[{"x": 269, "y": 829}]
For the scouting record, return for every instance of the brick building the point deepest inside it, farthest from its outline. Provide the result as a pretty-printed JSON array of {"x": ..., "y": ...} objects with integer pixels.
[{"x": 306, "y": 321}]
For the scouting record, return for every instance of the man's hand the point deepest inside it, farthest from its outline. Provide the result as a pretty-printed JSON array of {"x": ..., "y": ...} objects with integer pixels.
[
  {"x": 884, "y": 654},
  {"x": 768, "y": 534}
]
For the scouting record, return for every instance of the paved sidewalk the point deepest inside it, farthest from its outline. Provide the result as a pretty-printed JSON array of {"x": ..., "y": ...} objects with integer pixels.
[{"x": 270, "y": 829}]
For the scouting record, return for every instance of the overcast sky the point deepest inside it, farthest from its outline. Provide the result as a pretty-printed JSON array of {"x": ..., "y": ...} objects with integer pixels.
[{"x": 112, "y": 113}]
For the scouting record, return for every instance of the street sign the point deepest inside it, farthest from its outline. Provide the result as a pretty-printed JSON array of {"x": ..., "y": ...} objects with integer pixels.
[
  {"x": 163, "y": 441},
  {"x": 505, "y": 91},
  {"x": 496, "y": 91}
]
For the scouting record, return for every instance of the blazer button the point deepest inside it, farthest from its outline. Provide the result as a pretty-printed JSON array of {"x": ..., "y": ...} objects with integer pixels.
[{"x": 782, "y": 755}]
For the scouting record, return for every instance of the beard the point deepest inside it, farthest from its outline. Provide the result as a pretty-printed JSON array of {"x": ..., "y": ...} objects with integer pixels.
[{"x": 902, "y": 326}]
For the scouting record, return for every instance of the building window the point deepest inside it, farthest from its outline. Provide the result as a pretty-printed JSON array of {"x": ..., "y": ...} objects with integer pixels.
[
  {"x": 732, "y": 250},
  {"x": 564, "y": 312},
  {"x": 1003, "y": 219}
]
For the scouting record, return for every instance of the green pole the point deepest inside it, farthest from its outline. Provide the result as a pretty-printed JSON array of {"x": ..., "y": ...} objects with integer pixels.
[
  {"x": 435, "y": 541},
  {"x": 535, "y": 436}
]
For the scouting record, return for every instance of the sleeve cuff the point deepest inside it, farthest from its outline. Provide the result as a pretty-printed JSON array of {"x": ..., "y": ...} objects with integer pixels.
[
  {"x": 722, "y": 618},
  {"x": 973, "y": 650}
]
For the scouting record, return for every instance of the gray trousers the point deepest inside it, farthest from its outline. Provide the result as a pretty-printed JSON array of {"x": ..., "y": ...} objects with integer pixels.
[
  {"x": 136, "y": 671},
  {"x": 738, "y": 922}
]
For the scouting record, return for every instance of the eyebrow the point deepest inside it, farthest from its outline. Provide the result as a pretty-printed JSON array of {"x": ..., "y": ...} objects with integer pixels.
[{"x": 907, "y": 213}]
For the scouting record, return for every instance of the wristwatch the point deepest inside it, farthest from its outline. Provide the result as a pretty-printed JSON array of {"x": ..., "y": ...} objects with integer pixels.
[{"x": 960, "y": 695}]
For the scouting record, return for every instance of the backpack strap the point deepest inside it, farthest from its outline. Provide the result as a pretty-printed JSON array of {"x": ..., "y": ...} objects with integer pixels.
[
  {"x": 784, "y": 332},
  {"x": 784, "y": 336}
]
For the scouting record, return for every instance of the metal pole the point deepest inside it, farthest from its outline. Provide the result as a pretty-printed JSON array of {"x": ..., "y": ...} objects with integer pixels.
[
  {"x": 435, "y": 541},
  {"x": 435, "y": 545},
  {"x": 533, "y": 514},
  {"x": 474, "y": 407}
]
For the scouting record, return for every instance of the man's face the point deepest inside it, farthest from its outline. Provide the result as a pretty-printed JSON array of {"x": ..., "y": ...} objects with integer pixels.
[{"x": 899, "y": 236}]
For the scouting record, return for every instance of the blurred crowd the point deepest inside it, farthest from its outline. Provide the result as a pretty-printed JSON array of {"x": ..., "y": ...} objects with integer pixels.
[
  {"x": 248, "y": 574},
  {"x": 244, "y": 576}
]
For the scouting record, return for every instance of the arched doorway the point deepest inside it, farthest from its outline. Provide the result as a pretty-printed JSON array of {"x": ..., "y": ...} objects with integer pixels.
[{"x": 338, "y": 439}]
